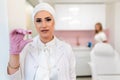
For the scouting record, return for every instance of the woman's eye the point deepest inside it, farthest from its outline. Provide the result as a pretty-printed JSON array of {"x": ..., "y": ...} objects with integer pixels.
[
  {"x": 38, "y": 20},
  {"x": 48, "y": 20}
]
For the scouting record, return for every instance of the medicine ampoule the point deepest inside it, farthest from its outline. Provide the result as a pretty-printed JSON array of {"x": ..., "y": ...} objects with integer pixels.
[{"x": 29, "y": 34}]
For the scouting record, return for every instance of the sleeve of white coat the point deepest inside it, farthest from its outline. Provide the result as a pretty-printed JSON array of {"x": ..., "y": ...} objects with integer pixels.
[
  {"x": 103, "y": 36},
  {"x": 18, "y": 74},
  {"x": 72, "y": 65},
  {"x": 15, "y": 76}
]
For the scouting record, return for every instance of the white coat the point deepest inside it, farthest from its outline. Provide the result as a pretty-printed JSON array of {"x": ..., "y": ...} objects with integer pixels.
[
  {"x": 52, "y": 61},
  {"x": 100, "y": 37}
]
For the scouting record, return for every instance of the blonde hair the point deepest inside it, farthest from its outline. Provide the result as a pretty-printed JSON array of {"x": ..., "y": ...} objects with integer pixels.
[{"x": 101, "y": 27}]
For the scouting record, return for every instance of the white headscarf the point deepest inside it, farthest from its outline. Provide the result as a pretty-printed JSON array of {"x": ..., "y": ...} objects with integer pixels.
[{"x": 46, "y": 7}]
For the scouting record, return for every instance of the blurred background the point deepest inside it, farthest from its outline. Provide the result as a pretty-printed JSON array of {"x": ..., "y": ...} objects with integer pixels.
[{"x": 73, "y": 16}]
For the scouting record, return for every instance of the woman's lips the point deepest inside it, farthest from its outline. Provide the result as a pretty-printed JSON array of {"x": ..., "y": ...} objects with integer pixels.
[{"x": 44, "y": 31}]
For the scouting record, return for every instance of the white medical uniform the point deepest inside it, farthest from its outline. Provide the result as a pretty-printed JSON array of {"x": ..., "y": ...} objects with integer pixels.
[
  {"x": 52, "y": 61},
  {"x": 100, "y": 37}
]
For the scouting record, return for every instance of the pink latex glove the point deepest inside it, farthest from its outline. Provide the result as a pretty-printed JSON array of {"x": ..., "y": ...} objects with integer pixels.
[{"x": 17, "y": 41}]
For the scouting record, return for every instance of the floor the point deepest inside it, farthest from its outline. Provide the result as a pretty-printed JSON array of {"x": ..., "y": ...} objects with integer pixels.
[{"x": 84, "y": 78}]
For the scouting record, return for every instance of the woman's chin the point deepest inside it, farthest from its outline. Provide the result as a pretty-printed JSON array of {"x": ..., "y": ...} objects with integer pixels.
[{"x": 45, "y": 36}]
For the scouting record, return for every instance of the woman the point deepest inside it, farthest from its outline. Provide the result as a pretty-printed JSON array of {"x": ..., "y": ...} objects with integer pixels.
[
  {"x": 99, "y": 34},
  {"x": 44, "y": 58}
]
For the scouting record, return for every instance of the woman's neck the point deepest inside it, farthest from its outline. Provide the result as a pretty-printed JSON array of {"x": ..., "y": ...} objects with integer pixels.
[
  {"x": 99, "y": 32},
  {"x": 46, "y": 40}
]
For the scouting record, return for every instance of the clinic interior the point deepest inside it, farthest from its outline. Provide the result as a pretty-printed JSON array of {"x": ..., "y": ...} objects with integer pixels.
[{"x": 75, "y": 25}]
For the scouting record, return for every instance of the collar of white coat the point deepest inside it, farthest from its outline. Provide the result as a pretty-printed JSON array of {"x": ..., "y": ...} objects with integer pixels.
[{"x": 48, "y": 44}]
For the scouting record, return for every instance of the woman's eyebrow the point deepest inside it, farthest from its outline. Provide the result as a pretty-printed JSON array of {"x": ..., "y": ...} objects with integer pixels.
[
  {"x": 48, "y": 18},
  {"x": 38, "y": 18}
]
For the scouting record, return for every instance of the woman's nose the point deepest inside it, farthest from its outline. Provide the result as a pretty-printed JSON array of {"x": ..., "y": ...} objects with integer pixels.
[{"x": 44, "y": 24}]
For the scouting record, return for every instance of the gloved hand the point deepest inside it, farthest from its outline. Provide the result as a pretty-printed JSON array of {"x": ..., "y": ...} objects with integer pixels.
[{"x": 17, "y": 41}]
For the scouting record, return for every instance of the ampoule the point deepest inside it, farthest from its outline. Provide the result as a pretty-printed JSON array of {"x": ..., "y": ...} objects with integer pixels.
[{"x": 29, "y": 34}]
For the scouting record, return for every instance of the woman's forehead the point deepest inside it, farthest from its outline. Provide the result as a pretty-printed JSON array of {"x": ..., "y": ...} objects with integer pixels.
[{"x": 43, "y": 13}]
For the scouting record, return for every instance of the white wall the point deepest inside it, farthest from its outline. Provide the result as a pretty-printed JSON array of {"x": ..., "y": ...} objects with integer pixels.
[
  {"x": 79, "y": 16},
  {"x": 16, "y": 14},
  {"x": 117, "y": 26},
  {"x": 113, "y": 23},
  {"x": 110, "y": 17},
  {"x": 4, "y": 42}
]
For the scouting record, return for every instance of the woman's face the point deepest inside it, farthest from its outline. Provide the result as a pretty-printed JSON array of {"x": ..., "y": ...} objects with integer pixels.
[
  {"x": 44, "y": 24},
  {"x": 97, "y": 28}
]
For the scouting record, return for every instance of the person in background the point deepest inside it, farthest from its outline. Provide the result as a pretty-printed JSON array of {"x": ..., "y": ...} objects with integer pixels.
[
  {"x": 45, "y": 57},
  {"x": 100, "y": 36}
]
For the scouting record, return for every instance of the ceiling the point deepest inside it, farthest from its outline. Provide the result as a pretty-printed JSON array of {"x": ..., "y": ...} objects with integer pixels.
[{"x": 35, "y": 2}]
